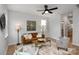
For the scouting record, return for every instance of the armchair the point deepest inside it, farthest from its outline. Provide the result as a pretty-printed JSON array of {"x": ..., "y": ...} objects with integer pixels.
[{"x": 63, "y": 43}]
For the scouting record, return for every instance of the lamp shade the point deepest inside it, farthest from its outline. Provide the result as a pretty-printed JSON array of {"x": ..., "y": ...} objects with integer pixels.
[{"x": 18, "y": 27}]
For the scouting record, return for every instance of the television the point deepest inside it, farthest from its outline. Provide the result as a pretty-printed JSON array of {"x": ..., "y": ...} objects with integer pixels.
[{"x": 2, "y": 22}]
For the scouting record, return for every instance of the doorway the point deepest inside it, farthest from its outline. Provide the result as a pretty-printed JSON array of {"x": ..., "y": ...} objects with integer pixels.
[{"x": 67, "y": 27}]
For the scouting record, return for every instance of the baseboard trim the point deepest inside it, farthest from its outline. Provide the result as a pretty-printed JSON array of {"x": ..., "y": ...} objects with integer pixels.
[
  {"x": 75, "y": 44},
  {"x": 12, "y": 44}
]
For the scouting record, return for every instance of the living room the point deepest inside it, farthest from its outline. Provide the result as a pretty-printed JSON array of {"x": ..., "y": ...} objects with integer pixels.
[{"x": 20, "y": 16}]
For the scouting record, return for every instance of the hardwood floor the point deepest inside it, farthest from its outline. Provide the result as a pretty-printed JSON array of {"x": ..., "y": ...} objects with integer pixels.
[{"x": 11, "y": 49}]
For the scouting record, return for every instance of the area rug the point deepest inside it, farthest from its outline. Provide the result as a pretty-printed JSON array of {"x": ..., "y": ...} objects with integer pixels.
[{"x": 46, "y": 49}]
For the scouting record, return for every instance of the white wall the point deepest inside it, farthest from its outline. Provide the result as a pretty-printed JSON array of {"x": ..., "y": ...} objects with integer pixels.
[
  {"x": 54, "y": 26},
  {"x": 76, "y": 27},
  {"x": 3, "y": 41},
  {"x": 21, "y": 18}
]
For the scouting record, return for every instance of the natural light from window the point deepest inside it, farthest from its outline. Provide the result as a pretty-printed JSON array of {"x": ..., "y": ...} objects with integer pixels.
[{"x": 43, "y": 22}]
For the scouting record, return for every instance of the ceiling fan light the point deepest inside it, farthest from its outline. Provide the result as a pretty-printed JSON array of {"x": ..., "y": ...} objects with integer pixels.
[{"x": 46, "y": 12}]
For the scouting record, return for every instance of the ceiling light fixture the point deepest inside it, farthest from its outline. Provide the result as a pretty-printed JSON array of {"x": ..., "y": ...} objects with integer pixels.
[{"x": 46, "y": 12}]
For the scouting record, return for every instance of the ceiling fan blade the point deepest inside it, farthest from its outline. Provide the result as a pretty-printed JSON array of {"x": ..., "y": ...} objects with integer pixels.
[
  {"x": 43, "y": 12},
  {"x": 54, "y": 8},
  {"x": 49, "y": 11},
  {"x": 40, "y": 10}
]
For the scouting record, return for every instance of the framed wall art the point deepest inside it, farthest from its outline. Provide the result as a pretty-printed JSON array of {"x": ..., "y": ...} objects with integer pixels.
[{"x": 31, "y": 25}]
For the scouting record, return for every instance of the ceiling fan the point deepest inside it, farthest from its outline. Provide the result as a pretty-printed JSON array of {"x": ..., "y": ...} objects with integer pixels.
[{"x": 46, "y": 10}]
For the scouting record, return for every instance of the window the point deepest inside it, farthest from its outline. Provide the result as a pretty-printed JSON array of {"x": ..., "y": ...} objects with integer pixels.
[
  {"x": 43, "y": 22},
  {"x": 43, "y": 26}
]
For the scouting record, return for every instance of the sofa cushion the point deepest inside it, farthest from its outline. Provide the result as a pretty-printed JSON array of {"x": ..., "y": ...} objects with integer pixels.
[
  {"x": 26, "y": 37},
  {"x": 34, "y": 35},
  {"x": 39, "y": 35},
  {"x": 29, "y": 36}
]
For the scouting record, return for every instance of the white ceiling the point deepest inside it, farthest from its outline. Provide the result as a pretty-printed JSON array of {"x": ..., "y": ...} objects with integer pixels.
[{"x": 32, "y": 8}]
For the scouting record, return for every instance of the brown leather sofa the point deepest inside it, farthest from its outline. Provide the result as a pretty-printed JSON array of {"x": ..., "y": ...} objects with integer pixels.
[
  {"x": 27, "y": 41},
  {"x": 34, "y": 36},
  {"x": 24, "y": 40}
]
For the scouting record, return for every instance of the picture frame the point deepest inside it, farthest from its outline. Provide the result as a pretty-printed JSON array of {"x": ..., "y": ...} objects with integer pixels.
[{"x": 31, "y": 25}]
